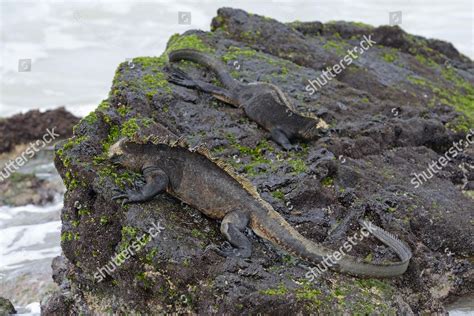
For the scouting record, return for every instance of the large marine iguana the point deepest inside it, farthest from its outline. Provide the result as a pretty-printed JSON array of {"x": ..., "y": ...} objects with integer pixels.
[
  {"x": 262, "y": 102},
  {"x": 212, "y": 187}
]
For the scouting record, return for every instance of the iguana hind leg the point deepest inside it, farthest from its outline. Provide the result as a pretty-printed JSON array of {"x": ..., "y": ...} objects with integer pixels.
[
  {"x": 232, "y": 227},
  {"x": 281, "y": 139},
  {"x": 181, "y": 78}
]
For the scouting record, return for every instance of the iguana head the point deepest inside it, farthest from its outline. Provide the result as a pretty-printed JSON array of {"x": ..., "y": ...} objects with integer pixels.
[
  {"x": 315, "y": 130},
  {"x": 126, "y": 153}
]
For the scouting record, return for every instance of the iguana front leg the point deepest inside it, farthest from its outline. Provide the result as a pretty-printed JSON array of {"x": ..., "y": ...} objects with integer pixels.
[
  {"x": 156, "y": 182},
  {"x": 181, "y": 78}
]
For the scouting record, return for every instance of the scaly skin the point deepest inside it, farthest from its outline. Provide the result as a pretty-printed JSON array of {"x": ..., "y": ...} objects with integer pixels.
[
  {"x": 210, "y": 186},
  {"x": 264, "y": 103}
]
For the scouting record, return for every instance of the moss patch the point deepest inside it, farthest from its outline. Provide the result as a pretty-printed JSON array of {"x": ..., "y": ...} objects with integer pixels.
[
  {"x": 460, "y": 96},
  {"x": 150, "y": 80},
  {"x": 280, "y": 290},
  {"x": 298, "y": 165},
  {"x": 389, "y": 57},
  {"x": 178, "y": 41},
  {"x": 235, "y": 53},
  {"x": 339, "y": 47},
  {"x": 360, "y": 297},
  {"x": 278, "y": 194}
]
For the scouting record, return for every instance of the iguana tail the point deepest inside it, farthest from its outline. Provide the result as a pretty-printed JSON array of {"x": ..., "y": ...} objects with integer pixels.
[
  {"x": 273, "y": 227},
  {"x": 207, "y": 61}
]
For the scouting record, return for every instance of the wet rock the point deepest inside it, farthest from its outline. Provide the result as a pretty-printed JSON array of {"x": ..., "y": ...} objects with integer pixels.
[
  {"x": 36, "y": 181},
  {"x": 60, "y": 267},
  {"x": 308, "y": 28},
  {"x": 33, "y": 125},
  {"x": 281, "y": 41},
  {"x": 22, "y": 189},
  {"x": 395, "y": 37},
  {"x": 405, "y": 114},
  {"x": 56, "y": 304},
  {"x": 6, "y": 307},
  {"x": 391, "y": 36},
  {"x": 346, "y": 29},
  {"x": 446, "y": 49}
]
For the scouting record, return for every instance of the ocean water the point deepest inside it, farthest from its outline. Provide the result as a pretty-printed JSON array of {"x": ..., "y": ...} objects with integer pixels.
[
  {"x": 74, "y": 47},
  {"x": 29, "y": 240},
  {"x": 24, "y": 239},
  {"x": 462, "y": 307}
]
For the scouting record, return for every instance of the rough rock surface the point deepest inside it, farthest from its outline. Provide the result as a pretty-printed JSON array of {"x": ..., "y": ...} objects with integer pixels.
[
  {"x": 398, "y": 107},
  {"x": 24, "y": 186},
  {"x": 30, "y": 126},
  {"x": 27, "y": 189},
  {"x": 6, "y": 307}
]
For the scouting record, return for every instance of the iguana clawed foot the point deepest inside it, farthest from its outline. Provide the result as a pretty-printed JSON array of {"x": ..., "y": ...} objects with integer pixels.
[
  {"x": 181, "y": 78},
  {"x": 279, "y": 137},
  {"x": 295, "y": 148},
  {"x": 129, "y": 196},
  {"x": 290, "y": 147},
  {"x": 227, "y": 250}
]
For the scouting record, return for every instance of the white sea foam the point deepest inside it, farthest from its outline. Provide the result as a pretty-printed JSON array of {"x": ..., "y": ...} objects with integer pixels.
[
  {"x": 8, "y": 212},
  {"x": 20, "y": 244},
  {"x": 32, "y": 309},
  {"x": 23, "y": 242}
]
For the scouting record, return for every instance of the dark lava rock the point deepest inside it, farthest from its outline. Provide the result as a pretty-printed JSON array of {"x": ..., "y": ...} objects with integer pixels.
[
  {"x": 36, "y": 182},
  {"x": 32, "y": 125},
  {"x": 392, "y": 112},
  {"x": 22, "y": 189},
  {"x": 6, "y": 307},
  {"x": 56, "y": 304}
]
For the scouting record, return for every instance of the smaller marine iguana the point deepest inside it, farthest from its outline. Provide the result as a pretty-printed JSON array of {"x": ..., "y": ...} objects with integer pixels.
[
  {"x": 213, "y": 188},
  {"x": 264, "y": 103}
]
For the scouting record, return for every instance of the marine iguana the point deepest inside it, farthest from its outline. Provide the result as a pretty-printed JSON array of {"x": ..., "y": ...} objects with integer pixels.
[
  {"x": 262, "y": 102},
  {"x": 212, "y": 187}
]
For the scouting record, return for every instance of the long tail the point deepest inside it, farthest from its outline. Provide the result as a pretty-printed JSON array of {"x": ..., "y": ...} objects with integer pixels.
[
  {"x": 205, "y": 60},
  {"x": 275, "y": 228}
]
